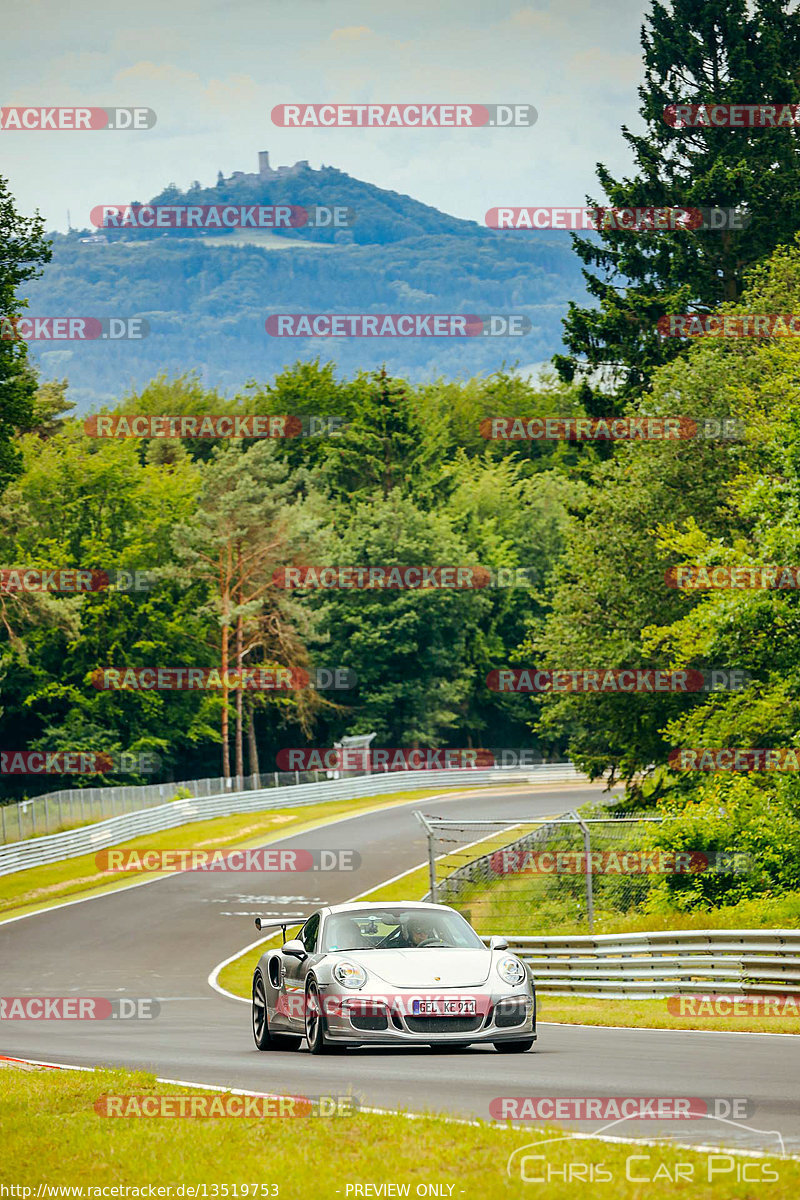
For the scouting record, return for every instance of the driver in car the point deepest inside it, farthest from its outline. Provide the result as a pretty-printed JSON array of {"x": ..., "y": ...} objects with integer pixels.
[{"x": 418, "y": 932}]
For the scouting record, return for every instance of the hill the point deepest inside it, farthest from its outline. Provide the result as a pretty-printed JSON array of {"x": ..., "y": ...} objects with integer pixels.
[{"x": 206, "y": 297}]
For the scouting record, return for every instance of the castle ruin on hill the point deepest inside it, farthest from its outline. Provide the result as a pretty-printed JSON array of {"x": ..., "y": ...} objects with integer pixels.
[{"x": 265, "y": 171}]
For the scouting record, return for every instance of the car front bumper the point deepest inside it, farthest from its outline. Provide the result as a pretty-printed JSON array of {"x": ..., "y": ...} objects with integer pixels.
[{"x": 510, "y": 1016}]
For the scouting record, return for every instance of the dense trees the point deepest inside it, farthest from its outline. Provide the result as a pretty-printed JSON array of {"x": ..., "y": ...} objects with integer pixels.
[
  {"x": 23, "y": 251},
  {"x": 389, "y": 484},
  {"x": 714, "y": 53}
]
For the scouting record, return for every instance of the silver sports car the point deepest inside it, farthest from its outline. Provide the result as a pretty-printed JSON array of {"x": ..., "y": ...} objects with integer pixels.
[{"x": 362, "y": 974}]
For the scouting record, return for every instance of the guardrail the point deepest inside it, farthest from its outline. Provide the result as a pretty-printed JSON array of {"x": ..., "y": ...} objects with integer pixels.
[
  {"x": 19, "y": 856},
  {"x": 631, "y": 965},
  {"x": 55, "y": 812}
]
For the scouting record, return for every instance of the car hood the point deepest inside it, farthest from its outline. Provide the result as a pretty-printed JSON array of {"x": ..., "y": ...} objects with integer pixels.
[{"x": 425, "y": 967}]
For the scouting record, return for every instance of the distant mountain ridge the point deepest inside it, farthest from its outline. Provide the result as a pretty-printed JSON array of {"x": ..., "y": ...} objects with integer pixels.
[
  {"x": 206, "y": 298},
  {"x": 381, "y": 216}
]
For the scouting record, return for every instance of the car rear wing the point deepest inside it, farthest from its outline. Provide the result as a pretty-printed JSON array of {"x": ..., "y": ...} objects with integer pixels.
[{"x": 282, "y": 925}]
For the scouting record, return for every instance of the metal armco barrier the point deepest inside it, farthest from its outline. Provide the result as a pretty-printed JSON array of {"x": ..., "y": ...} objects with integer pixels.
[
  {"x": 630, "y": 965},
  {"x": 19, "y": 856}
]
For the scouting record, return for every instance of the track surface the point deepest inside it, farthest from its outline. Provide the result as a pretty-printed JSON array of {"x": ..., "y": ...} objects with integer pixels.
[{"x": 163, "y": 939}]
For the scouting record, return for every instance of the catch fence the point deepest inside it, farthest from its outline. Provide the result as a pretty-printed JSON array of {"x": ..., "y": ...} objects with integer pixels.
[{"x": 520, "y": 876}]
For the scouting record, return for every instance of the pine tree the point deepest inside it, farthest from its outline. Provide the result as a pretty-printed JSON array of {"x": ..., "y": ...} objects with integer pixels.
[
  {"x": 696, "y": 52},
  {"x": 384, "y": 446},
  {"x": 23, "y": 250}
]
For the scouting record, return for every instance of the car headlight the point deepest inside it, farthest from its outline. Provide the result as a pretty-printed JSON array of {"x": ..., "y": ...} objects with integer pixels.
[
  {"x": 511, "y": 970},
  {"x": 349, "y": 975}
]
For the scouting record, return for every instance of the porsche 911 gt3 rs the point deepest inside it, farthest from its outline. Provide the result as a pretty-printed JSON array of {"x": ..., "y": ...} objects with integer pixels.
[{"x": 409, "y": 973}]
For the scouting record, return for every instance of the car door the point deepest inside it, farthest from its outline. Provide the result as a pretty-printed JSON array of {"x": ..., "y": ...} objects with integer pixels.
[{"x": 295, "y": 971}]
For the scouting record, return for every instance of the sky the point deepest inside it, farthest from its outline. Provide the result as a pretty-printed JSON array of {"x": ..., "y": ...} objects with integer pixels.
[{"x": 212, "y": 71}]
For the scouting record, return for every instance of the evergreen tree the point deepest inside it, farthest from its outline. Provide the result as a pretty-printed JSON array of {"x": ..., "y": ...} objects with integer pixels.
[
  {"x": 386, "y": 444},
  {"x": 696, "y": 52},
  {"x": 22, "y": 252}
]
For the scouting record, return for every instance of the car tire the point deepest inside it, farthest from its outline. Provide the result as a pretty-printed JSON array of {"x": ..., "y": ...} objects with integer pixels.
[
  {"x": 315, "y": 1022},
  {"x": 518, "y": 1047},
  {"x": 262, "y": 1037}
]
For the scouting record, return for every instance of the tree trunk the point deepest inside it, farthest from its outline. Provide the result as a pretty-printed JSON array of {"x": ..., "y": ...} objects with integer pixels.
[
  {"x": 252, "y": 744},
  {"x": 239, "y": 697},
  {"x": 226, "y": 750}
]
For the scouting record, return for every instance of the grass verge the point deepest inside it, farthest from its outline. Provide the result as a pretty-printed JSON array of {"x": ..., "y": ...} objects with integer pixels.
[
  {"x": 52, "y": 1135},
  {"x": 653, "y": 1014}
]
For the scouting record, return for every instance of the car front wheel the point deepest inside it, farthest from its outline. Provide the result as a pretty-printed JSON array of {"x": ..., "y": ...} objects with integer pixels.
[{"x": 315, "y": 1023}]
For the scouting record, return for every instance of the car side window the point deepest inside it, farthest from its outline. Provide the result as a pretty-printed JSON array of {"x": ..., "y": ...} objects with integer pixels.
[{"x": 309, "y": 933}]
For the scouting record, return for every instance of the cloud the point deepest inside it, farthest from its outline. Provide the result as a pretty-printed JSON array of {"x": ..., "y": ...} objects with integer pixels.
[
  {"x": 351, "y": 33},
  {"x": 607, "y": 68}
]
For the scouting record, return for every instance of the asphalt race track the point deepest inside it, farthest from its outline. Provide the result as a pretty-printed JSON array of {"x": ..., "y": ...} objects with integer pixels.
[{"x": 163, "y": 938}]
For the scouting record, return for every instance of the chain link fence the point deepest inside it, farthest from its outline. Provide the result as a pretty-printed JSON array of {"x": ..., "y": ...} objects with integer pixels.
[
  {"x": 72, "y": 808},
  {"x": 554, "y": 873}
]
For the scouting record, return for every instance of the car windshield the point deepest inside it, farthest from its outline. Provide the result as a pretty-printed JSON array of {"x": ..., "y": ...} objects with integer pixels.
[{"x": 399, "y": 928}]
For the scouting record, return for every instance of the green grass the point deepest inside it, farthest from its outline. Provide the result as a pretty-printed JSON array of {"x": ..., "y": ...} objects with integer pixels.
[
  {"x": 52, "y": 1135},
  {"x": 41, "y": 887},
  {"x": 652, "y": 1014},
  {"x": 549, "y": 913}
]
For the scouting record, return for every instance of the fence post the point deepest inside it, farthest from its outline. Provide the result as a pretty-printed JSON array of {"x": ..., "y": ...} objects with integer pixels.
[
  {"x": 431, "y": 856},
  {"x": 3, "y": 818},
  {"x": 19, "y": 819},
  {"x": 60, "y": 815},
  {"x": 33, "y": 816},
  {"x": 587, "y": 850},
  {"x": 46, "y": 816}
]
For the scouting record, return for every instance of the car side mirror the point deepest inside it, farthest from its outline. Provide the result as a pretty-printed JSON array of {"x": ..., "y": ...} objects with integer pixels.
[
  {"x": 498, "y": 943},
  {"x": 294, "y": 948}
]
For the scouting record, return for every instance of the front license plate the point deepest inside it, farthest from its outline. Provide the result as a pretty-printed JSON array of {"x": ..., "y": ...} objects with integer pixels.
[{"x": 443, "y": 1008}]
